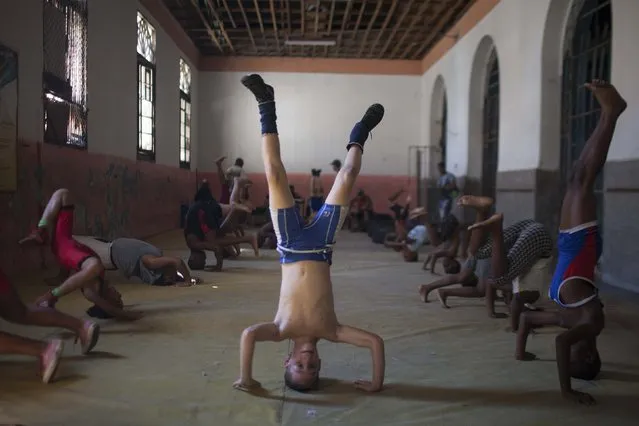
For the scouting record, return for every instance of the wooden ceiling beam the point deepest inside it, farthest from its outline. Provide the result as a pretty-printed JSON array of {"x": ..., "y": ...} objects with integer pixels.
[
  {"x": 371, "y": 22},
  {"x": 290, "y": 27},
  {"x": 418, "y": 16},
  {"x": 228, "y": 12},
  {"x": 274, "y": 18},
  {"x": 330, "y": 25},
  {"x": 317, "y": 8},
  {"x": 288, "y": 17},
  {"x": 259, "y": 19},
  {"x": 436, "y": 31},
  {"x": 396, "y": 28},
  {"x": 209, "y": 30},
  {"x": 303, "y": 17},
  {"x": 248, "y": 26},
  {"x": 347, "y": 14},
  {"x": 211, "y": 8},
  {"x": 384, "y": 25},
  {"x": 359, "y": 20}
]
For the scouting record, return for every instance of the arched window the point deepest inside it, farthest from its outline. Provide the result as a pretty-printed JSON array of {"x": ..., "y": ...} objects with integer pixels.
[
  {"x": 444, "y": 138},
  {"x": 587, "y": 54},
  {"x": 490, "y": 154}
]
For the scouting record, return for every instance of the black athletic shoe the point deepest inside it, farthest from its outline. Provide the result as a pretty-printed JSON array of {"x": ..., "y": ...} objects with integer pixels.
[
  {"x": 373, "y": 116},
  {"x": 262, "y": 91}
]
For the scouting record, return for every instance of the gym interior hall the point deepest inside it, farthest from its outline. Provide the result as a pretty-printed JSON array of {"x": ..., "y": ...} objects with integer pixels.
[{"x": 130, "y": 106}]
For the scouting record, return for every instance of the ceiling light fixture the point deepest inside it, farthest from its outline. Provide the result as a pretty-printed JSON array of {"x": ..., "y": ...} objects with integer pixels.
[{"x": 310, "y": 42}]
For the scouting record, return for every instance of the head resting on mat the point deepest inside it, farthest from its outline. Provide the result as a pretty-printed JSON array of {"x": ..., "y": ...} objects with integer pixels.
[
  {"x": 197, "y": 260},
  {"x": 302, "y": 367},
  {"x": 451, "y": 266},
  {"x": 585, "y": 363}
]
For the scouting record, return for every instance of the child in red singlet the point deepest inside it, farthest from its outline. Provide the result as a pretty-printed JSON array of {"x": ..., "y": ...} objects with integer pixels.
[{"x": 56, "y": 228}]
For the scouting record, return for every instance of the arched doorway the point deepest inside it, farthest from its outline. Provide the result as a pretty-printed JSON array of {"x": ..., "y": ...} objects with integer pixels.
[
  {"x": 436, "y": 151},
  {"x": 444, "y": 132},
  {"x": 587, "y": 55},
  {"x": 490, "y": 149}
]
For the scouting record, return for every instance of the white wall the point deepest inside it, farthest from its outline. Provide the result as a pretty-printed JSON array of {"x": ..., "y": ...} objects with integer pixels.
[
  {"x": 112, "y": 78},
  {"x": 316, "y": 113},
  {"x": 529, "y": 127}
]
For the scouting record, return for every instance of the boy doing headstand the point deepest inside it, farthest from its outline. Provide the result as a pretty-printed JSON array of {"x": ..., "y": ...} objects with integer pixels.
[
  {"x": 306, "y": 311},
  {"x": 579, "y": 243}
]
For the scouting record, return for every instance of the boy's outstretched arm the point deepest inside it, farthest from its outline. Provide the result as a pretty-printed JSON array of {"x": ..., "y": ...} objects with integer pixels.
[
  {"x": 265, "y": 332},
  {"x": 364, "y": 339},
  {"x": 563, "y": 343}
]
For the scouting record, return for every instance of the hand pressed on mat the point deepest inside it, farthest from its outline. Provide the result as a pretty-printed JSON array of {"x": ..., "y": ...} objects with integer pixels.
[
  {"x": 579, "y": 397},
  {"x": 246, "y": 385},
  {"x": 366, "y": 386}
]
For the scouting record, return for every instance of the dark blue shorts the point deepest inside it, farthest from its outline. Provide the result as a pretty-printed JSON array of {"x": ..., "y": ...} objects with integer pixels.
[
  {"x": 316, "y": 203},
  {"x": 297, "y": 241}
]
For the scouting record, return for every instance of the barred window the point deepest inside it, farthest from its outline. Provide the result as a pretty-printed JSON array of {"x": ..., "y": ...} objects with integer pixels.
[
  {"x": 65, "y": 72},
  {"x": 185, "y": 115},
  {"x": 146, "y": 45}
]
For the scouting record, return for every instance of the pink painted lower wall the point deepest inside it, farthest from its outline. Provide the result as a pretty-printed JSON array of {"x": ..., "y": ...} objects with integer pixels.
[
  {"x": 113, "y": 197},
  {"x": 118, "y": 197},
  {"x": 378, "y": 187}
]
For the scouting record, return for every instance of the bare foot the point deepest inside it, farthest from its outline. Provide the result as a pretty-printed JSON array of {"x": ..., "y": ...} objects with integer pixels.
[
  {"x": 442, "y": 299},
  {"x": 255, "y": 245},
  {"x": 475, "y": 201},
  {"x": 494, "y": 220},
  {"x": 606, "y": 94},
  {"x": 423, "y": 293},
  {"x": 220, "y": 160}
]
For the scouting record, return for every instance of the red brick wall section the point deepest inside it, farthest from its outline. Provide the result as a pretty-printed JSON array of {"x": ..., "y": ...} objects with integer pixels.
[
  {"x": 378, "y": 187},
  {"x": 118, "y": 197}
]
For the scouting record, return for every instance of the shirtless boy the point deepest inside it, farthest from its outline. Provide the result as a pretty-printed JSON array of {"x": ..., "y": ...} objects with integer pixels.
[
  {"x": 579, "y": 243},
  {"x": 12, "y": 309},
  {"x": 415, "y": 238},
  {"x": 55, "y": 228},
  {"x": 306, "y": 311},
  {"x": 445, "y": 238},
  {"x": 474, "y": 272},
  {"x": 400, "y": 220},
  {"x": 208, "y": 225}
]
